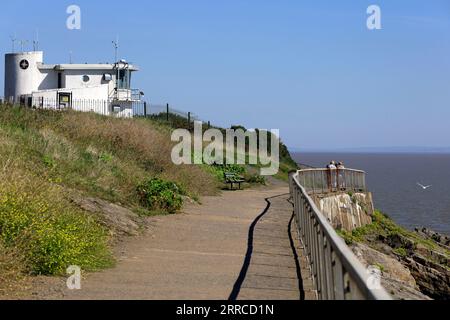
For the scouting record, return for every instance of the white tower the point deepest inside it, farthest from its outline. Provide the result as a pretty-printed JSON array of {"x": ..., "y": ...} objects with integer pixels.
[{"x": 22, "y": 75}]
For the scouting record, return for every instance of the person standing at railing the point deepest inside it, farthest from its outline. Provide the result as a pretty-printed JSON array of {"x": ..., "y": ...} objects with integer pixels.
[
  {"x": 331, "y": 175},
  {"x": 341, "y": 176}
]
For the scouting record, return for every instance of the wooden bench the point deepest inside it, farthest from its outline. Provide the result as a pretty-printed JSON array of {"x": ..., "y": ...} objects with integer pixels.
[{"x": 232, "y": 179}]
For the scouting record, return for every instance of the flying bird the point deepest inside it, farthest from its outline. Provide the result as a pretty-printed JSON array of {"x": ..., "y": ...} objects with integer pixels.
[{"x": 423, "y": 187}]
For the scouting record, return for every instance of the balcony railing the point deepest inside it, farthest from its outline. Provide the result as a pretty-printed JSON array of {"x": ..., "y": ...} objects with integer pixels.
[
  {"x": 337, "y": 273},
  {"x": 321, "y": 181}
]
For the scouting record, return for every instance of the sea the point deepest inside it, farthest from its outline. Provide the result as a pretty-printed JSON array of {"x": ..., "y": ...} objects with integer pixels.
[{"x": 393, "y": 179}]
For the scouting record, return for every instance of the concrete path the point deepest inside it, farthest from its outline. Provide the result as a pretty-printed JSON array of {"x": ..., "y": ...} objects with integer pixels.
[
  {"x": 276, "y": 268},
  {"x": 206, "y": 253}
]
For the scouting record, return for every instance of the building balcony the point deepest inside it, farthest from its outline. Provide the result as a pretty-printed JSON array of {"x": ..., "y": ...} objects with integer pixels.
[{"x": 132, "y": 95}]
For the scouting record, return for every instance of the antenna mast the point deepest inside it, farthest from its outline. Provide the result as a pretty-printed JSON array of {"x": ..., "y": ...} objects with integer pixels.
[
  {"x": 36, "y": 41},
  {"x": 116, "y": 48},
  {"x": 13, "y": 40},
  {"x": 23, "y": 43}
]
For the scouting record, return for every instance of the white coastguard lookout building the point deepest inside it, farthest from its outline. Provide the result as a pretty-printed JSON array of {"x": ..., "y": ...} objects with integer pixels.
[{"x": 102, "y": 88}]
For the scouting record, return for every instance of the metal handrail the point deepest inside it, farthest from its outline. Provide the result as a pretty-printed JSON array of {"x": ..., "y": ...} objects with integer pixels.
[
  {"x": 322, "y": 181},
  {"x": 337, "y": 273}
]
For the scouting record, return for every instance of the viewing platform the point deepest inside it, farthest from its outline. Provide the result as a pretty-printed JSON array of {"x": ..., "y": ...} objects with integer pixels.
[{"x": 337, "y": 273}]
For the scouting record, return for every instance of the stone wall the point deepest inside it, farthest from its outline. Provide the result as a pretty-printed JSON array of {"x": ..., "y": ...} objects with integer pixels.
[{"x": 346, "y": 211}]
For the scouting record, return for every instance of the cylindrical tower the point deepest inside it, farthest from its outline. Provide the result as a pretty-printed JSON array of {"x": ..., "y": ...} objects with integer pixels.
[{"x": 22, "y": 75}]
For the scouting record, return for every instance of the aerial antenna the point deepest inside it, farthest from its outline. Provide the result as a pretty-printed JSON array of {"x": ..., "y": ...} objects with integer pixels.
[
  {"x": 70, "y": 56},
  {"x": 23, "y": 43},
  {"x": 36, "y": 41},
  {"x": 13, "y": 40},
  {"x": 116, "y": 48}
]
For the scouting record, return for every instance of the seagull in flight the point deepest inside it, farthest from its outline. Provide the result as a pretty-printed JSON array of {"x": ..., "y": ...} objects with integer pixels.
[{"x": 423, "y": 187}]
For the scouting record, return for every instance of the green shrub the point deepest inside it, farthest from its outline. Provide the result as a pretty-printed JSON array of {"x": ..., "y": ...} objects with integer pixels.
[
  {"x": 402, "y": 252},
  {"x": 158, "y": 194},
  {"x": 106, "y": 157},
  {"x": 256, "y": 179},
  {"x": 236, "y": 169},
  {"x": 51, "y": 235},
  {"x": 219, "y": 170},
  {"x": 49, "y": 162},
  {"x": 348, "y": 237}
]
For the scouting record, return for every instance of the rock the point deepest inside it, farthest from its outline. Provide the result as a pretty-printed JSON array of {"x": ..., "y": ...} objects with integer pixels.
[
  {"x": 399, "y": 291},
  {"x": 396, "y": 278},
  {"x": 396, "y": 241},
  {"x": 432, "y": 278},
  {"x": 345, "y": 211},
  {"x": 119, "y": 219},
  {"x": 438, "y": 238}
]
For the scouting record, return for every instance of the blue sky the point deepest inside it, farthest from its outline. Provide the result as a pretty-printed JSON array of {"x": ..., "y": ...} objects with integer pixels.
[{"x": 309, "y": 68}]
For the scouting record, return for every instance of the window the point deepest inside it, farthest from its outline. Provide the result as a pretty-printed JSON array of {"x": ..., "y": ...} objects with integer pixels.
[
  {"x": 86, "y": 78},
  {"x": 59, "y": 80},
  {"x": 124, "y": 79}
]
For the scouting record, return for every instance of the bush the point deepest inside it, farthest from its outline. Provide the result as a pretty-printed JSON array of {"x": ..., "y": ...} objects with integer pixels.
[
  {"x": 256, "y": 179},
  {"x": 220, "y": 170},
  {"x": 50, "y": 233},
  {"x": 158, "y": 194}
]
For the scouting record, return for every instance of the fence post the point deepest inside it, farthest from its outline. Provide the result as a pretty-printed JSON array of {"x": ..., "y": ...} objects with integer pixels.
[
  {"x": 167, "y": 112},
  {"x": 145, "y": 109}
]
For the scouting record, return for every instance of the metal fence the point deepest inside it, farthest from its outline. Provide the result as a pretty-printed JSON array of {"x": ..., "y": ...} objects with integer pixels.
[
  {"x": 174, "y": 117},
  {"x": 167, "y": 113},
  {"x": 83, "y": 105},
  {"x": 143, "y": 109},
  {"x": 5, "y": 100},
  {"x": 337, "y": 273},
  {"x": 319, "y": 181}
]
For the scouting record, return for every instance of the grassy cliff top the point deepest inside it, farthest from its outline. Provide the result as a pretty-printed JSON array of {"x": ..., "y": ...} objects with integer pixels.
[{"x": 48, "y": 158}]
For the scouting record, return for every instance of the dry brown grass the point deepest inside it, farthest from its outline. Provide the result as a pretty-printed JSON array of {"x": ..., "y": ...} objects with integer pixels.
[
  {"x": 102, "y": 156},
  {"x": 142, "y": 146},
  {"x": 13, "y": 279}
]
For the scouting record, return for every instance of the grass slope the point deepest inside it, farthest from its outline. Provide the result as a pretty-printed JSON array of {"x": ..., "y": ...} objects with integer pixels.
[{"x": 46, "y": 156}]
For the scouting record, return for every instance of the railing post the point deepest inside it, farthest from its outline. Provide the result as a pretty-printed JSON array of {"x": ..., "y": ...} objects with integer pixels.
[
  {"x": 338, "y": 273},
  {"x": 314, "y": 182},
  {"x": 315, "y": 258},
  {"x": 328, "y": 269}
]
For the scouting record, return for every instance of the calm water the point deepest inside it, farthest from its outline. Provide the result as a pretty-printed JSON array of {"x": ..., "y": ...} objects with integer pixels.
[{"x": 393, "y": 180}]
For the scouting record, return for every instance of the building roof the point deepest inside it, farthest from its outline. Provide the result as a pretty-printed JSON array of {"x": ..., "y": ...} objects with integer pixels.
[{"x": 98, "y": 66}]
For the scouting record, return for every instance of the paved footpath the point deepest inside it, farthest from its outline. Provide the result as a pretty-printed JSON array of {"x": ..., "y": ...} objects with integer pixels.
[{"x": 232, "y": 246}]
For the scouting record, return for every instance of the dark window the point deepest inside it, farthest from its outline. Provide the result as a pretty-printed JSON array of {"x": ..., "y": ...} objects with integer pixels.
[
  {"x": 124, "y": 79},
  {"x": 59, "y": 80}
]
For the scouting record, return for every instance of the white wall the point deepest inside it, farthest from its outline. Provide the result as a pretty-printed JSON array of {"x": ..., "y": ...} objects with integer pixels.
[
  {"x": 19, "y": 81},
  {"x": 89, "y": 93},
  {"x": 74, "y": 78}
]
